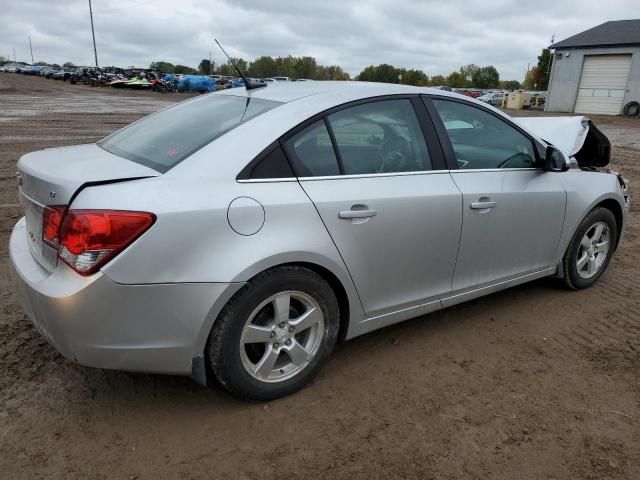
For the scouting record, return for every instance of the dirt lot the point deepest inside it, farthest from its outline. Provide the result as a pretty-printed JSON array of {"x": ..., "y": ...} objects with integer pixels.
[{"x": 531, "y": 383}]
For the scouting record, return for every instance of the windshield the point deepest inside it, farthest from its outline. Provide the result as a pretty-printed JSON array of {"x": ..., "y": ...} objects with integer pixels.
[{"x": 164, "y": 139}]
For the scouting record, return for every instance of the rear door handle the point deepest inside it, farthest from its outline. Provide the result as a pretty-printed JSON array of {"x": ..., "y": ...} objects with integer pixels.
[
  {"x": 482, "y": 205},
  {"x": 350, "y": 214}
]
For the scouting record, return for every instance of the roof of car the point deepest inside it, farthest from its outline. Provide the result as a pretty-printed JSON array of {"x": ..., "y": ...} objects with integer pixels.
[
  {"x": 289, "y": 91},
  {"x": 618, "y": 32}
]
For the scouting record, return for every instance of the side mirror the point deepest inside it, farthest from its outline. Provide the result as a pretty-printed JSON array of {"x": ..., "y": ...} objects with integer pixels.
[{"x": 555, "y": 161}]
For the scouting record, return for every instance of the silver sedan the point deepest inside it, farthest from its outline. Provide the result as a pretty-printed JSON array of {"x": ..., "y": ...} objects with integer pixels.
[{"x": 242, "y": 234}]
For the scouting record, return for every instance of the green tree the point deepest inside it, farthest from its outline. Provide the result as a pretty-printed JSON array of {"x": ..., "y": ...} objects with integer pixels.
[
  {"x": 458, "y": 80},
  {"x": 205, "y": 67},
  {"x": 414, "y": 77},
  {"x": 332, "y": 72},
  {"x": 228, "y": 69},
  {"x": 3, "y": 60},
  {"x": 468, "y": 72},
  {"x": 544, "y": 63},
  {"x": 305, "y": 67},
  {"x": 382, "y": 73},
  {"x": 285, "y": 66},
  {"x": 164, "y": 67},
  {"x": 485, "y": 77},
  {"x": 262, "y": 67},
  {"x": 68, "y": 65},
  {"x": 510, "y": 85},
  {"x": 183, "y": 69},
  {"x": 534, "y": 79},
  {"x": 437, "y": 81}
]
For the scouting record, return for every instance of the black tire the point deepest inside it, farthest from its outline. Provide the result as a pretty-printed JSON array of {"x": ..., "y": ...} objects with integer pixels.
[
  {"x": 223, "y": 346},
  {"x": 631, "y": 109},
  {"x": 572, "y": 279}
]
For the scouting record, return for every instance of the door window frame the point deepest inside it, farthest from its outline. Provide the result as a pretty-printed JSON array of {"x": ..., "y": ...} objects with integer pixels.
[
  {"x": 436, "y": 155},
  {"x": 445, "y": 141}
]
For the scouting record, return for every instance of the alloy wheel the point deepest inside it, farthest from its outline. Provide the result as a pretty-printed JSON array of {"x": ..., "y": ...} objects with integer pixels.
[
  {"x": 282, "y": 336},
  {"x": 593, "y": 250}
]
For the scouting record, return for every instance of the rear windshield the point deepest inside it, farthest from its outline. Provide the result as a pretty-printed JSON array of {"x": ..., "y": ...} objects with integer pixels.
[{"x": 164, "y": 139}]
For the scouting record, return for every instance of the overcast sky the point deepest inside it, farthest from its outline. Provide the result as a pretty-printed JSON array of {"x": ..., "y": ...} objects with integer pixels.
[{"x": 435, "y": 36}]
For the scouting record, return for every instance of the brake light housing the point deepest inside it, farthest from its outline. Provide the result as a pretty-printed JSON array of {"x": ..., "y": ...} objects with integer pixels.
[
  {"x": 51, "y": 220},
  {"x": 87, "y": 239}
]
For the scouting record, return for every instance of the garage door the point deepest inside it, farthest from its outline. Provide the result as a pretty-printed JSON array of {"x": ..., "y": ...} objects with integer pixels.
[{"x": 603, "y": 83}]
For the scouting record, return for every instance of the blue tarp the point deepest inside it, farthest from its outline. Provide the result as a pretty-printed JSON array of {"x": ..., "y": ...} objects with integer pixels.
[{"x": 196, "y": 83}]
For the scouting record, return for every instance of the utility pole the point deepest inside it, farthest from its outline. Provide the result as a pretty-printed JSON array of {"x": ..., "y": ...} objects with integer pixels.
[
  {"x": 550, "y": 58},
  {"x": 93, "y": 34},
  {"x": 210, "y": 64},
  {"x": 14, "y": 53},
  {"x": 31, "y": 48}
]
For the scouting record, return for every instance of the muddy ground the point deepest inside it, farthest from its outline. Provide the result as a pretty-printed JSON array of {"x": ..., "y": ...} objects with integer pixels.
[{"x": 531, "y": 383}]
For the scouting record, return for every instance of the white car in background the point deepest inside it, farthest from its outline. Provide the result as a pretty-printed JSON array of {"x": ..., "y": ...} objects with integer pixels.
[{"x": 492, "y": 98}]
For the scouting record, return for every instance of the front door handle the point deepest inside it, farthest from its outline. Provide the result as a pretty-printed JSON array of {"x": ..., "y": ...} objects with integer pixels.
[
  {"x": 483, "y": 205},
  {"x": 351, "y": 214}
]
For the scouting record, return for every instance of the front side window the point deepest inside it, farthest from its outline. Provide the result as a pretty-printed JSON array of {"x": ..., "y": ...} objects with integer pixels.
[
  {"x": 380, "y": 137},
  {"x": 162, "y": 140},
  {"x": 481, "y": 140}
]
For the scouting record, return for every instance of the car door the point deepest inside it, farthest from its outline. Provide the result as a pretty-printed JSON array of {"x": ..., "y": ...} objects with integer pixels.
[
  {"x": 386, "y": 199},
  {"x": 513, "y": 210}
]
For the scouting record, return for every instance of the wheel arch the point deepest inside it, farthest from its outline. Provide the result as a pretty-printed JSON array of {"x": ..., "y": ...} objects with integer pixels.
[
  {"x": 351, "y": 311},
  {"x": 338, "y": 280},
  {"x": 614, "y": 207},
  {"x": 338, "y": 289}
]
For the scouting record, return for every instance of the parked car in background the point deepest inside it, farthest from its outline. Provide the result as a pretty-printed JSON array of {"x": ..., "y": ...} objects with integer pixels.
[
  {"x": 63, "y": 73},
  {"x": 346, "y": 207},
  {"x": 493, "y": 98}
]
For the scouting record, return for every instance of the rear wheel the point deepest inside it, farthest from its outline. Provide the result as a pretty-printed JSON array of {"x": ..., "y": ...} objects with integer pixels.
[
  {"x": 590, "y": 249},
  {"x": 275, "y": 334}
]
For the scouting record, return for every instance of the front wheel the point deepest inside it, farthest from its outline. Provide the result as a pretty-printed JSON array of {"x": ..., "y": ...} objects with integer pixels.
[
  {"x": 590, "y": 249},
  {"x": 275, "y": 334}
]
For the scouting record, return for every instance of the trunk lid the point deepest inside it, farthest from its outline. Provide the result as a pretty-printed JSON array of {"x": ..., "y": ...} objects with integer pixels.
[{"x": 54, "y": 176}]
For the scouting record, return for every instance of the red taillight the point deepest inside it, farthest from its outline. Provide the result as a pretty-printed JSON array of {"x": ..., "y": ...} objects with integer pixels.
[
  {"x": 51, "y": 220},
  {"x": 87, "y": 239}
]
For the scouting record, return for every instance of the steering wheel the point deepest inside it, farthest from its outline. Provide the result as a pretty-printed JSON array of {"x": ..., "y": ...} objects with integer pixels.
[
  {"x": 392, "y": 154},
  {"x": 513, "y": 157}
]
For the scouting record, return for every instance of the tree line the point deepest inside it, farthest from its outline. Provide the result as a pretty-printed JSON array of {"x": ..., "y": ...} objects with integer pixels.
[
  {"x": 262, "y": 67},
  {"x": 468, "y": 76},
  {"x": 307, "y": 67}
]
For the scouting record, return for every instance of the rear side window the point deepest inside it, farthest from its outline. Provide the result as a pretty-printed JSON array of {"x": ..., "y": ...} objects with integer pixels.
[
  {"x": 380, "y": 137},
  {"x": 311, "y": 152},
  {"x": 481, "y": 140},
  {"x": 162, "y": 140},
  {"x": 272, "y": 163}
]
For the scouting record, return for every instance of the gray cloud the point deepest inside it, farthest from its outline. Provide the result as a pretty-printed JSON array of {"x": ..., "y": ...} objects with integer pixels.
[{"x": 435, "y": 36}]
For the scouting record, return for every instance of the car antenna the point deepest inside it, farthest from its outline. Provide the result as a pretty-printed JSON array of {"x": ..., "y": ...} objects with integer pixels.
[{"x": 247, "y": 85}]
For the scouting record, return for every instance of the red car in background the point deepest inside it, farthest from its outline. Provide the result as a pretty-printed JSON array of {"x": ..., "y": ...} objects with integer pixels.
[{"x": 472, "y": 93}]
